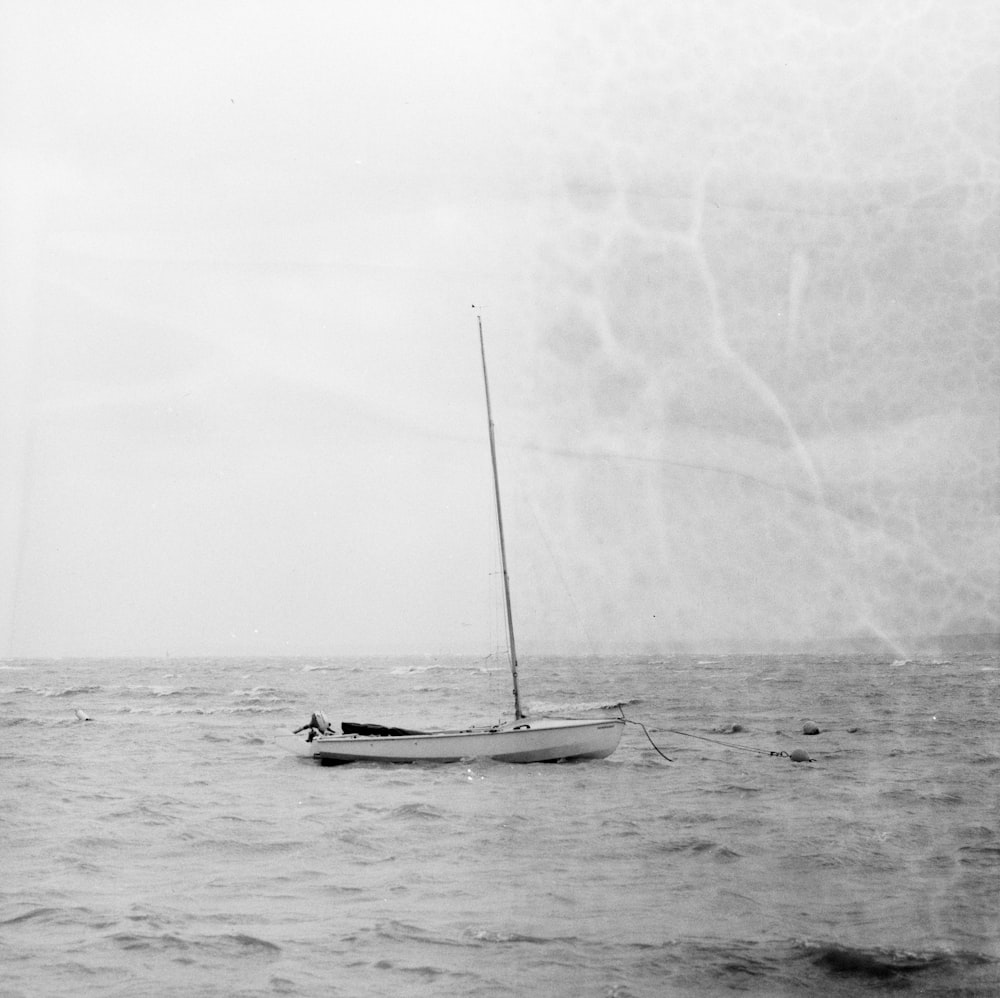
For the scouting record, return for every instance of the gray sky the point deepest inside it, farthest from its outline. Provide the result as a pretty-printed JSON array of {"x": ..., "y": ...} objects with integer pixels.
[{"x": 738, "y": 266}]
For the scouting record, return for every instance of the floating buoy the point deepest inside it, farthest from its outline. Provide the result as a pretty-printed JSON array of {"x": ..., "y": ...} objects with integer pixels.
[
  {"x": 809, "y": 728},
  {"x": 799, "y": 755},
  {"x": 81, "y": 716},
  {"x": 853, "y": 731}
]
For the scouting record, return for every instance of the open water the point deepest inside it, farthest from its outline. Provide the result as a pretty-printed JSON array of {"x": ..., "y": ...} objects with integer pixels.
[{"x": 170, "y": 847}]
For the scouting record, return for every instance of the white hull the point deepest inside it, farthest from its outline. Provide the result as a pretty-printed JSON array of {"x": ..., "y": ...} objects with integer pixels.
[{"x": 541, "y": 739}]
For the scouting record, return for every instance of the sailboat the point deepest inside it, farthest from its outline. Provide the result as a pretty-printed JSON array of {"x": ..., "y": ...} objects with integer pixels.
[{"x": 525, "y": 738}]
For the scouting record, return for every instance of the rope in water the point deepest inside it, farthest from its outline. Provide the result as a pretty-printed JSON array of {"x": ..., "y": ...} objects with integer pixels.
[
  {"x": 651, "y": 742},
  {"x": 716, "y": 741},
  {"x": 704, "y": 738}
]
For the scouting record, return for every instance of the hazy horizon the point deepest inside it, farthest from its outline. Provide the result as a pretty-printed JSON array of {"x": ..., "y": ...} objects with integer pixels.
[{"x": 915, "y": 646}]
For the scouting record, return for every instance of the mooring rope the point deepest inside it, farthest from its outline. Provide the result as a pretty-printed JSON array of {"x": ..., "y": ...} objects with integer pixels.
[
  {"x": 704, "y": 738},
  {"x": 651, "y": 742},
  {"x": 716, "y": 741}
]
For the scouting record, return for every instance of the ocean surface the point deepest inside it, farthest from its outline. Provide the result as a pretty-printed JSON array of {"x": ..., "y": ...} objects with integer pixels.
[{"x": 169, "y": 845}]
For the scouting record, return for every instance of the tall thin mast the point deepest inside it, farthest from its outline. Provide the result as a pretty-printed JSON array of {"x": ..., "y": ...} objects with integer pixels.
[{"x": 518, "y": 713}]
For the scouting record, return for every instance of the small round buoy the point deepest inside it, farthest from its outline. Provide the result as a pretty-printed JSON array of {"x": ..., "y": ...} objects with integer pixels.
[
  {"x": 799, "y": 755},
  {"x": 809, "y": 728},
  {"x": 81, "y": 716},
  {"x": 853, "y": 731}
]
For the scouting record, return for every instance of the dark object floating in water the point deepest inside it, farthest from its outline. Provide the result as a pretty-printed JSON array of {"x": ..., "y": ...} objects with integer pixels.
[
  {"x": 841, "y": 960},
  {"x": 810, "y": 728},
  {"x": 799, "y": 755}
]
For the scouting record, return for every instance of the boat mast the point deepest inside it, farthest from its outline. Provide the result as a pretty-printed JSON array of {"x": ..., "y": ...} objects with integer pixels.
[{"x": 518, "y": 713}]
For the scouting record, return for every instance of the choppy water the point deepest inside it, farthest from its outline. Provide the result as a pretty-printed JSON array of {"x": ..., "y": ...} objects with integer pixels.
[{"x": 170, "y": 847}]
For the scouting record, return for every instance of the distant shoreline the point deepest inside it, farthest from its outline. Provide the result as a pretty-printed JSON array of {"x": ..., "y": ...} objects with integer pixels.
[
  {"x": 939, "y": 644},
  {"x": 921, "y": 645},
  {"x": 914, "y": 646}
]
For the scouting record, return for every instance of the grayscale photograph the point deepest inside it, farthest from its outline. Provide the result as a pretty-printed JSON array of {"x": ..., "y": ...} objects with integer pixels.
[{"x": 500, "y": 499}]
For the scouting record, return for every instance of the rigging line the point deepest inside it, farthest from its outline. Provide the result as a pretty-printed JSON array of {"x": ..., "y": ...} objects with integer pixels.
[
  {"x": 555, "y": 564},
  {"x": 652, "y": 459}
]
